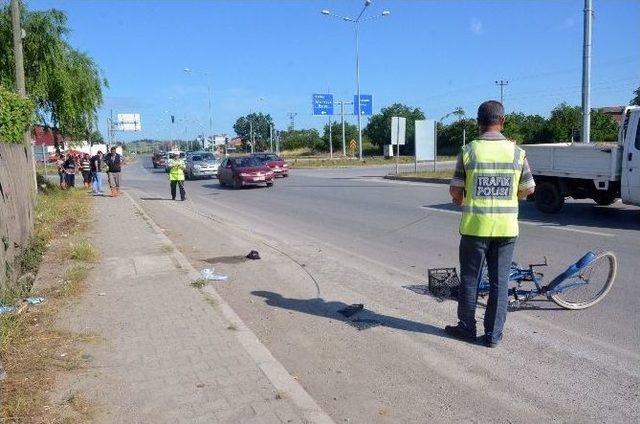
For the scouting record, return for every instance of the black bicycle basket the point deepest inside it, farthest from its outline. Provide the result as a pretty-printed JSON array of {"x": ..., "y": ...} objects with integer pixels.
[{"x": 443, "y": 283}]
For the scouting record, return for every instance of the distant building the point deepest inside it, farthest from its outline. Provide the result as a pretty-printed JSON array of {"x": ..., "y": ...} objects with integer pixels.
[
  {"x": 44, "y": 140},
  {"x": 613, "y": 111},
  {"x": 235, "y": 143}
]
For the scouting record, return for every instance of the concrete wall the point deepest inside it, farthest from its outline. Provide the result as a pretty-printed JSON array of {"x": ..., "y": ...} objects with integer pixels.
[{"x": 17, "y": 200}]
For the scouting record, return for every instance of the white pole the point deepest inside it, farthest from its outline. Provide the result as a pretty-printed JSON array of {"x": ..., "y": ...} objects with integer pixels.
[
  {"x": 359, "y": 108},
  {"x": 344, "y": 138},
  {"x": 330, "y": 140},
  {"x": 586, "y": 73}
]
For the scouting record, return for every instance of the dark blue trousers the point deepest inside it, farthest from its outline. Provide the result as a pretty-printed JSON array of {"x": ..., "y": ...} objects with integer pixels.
[{"x": 498, "y": 253}]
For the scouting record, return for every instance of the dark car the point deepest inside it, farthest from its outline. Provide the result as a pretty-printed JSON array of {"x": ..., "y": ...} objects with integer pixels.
[
  {"x": 275, "y": 162},
  {"x": 158, "y": 160},
  {"x": 245, "y": 170}
]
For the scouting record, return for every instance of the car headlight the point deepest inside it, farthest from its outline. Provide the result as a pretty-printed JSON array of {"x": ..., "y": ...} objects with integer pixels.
[
  {"x": 196, "y": 166},
  {"x": 244, "y": 174},
  {"x": 285, "y": 165}
]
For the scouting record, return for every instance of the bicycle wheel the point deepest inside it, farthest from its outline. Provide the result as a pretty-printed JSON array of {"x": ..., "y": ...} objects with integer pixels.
[{"x": 590, "y": 285}]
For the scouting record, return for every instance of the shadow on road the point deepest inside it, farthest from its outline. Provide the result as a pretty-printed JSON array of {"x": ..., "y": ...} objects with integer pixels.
[
  {"x": 320, "y": 307},
  {"x": 575, "y": 214},
  {"x": 157, "y": 198}
]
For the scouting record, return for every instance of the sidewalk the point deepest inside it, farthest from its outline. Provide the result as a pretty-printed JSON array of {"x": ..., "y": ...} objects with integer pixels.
[{"x": 168, "y": 352}]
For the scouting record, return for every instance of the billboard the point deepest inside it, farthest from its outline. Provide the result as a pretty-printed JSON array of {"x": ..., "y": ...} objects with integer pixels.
[
  {"x": 129, "y": 122},
  {"x": 425, "y": 139}
]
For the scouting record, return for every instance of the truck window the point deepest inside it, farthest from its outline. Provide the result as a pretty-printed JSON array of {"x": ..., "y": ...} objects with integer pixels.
[{"x": 638, "y": 136}]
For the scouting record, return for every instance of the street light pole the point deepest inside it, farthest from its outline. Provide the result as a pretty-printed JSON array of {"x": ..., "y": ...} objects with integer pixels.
[
  {"x": 357, "y": 21},
  {"x": 207, "y": 77},
  {"x": 358, "y": 87}
]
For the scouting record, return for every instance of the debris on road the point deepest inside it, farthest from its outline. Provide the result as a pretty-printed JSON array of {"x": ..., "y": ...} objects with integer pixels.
[
  {"x": 253, "y": 255},
  {"x": 444, "y": 283},
  {"x": 7, "y": 309},
  {"x": 33, "y": 300},
  {"x": 208, "y": 274},
  {"x": 351, "y": 310},
  {"x": 364, "y": 323}
]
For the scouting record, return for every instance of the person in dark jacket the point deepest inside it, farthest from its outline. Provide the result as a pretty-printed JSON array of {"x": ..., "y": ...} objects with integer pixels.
[
  {"x": 96, "y": 172},
  {"x": 85, "y": 168},
  {"x": 70, "y": 165},
  {"x": 114, "y": 166}
]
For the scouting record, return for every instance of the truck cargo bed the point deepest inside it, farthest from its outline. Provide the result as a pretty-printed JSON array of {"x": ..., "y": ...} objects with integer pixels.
[{"x": 597, "y": 161}]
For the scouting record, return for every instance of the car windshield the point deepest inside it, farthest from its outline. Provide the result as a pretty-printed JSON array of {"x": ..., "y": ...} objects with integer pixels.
[
  {"x": 272, "y": 157},
  {"x": 246, "y": 162}
]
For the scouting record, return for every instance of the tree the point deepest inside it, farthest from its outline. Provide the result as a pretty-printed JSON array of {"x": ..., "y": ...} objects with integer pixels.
[
  {"x": 297, "y": 139},
  {"x": 379, "y": 128},
  {"x": 450, "y": 136},
  {"x": 260, "y": 123},
  {"x": 603, "y": 127},
  {"x": 526, "y": 128},
  {"x": 564, "y": 123},
  {"x": 65, "y": 84},
  {"x": 96, "y": 137},
  {"x": 636, "y": 100},
  {"x": 350, "y": 131}
]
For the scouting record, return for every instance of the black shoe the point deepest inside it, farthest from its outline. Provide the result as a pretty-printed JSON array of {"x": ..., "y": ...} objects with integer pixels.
[
  {"x": 485, "y": 341},
  {"x": 460, "y": 333},
  {"x": 173, "y": 198},
  {"x": 183, "y": 199}
]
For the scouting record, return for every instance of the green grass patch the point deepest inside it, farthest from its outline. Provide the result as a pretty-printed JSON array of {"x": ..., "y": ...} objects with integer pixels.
[
  {"x": 199, "y": 283},
  {"x": 444, "y": 174},
  {"x": 83, "y": 251}
]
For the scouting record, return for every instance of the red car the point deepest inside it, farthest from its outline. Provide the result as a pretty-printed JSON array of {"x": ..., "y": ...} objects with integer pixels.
[
  {"x": 276, "y": 163},
  {"x": 245, "y": 170},
  {"x": 158, "y": 160}
]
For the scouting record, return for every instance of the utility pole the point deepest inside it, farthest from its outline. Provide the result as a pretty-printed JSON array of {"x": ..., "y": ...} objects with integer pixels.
[
  {"x": 251, "y": 137},
  {"x": 271, "y": 137},
  {"x": 292, "y": 120},
  {"x": 586, "y": 73},
  {"x": 17, "y": 47},
  {"x": 502, "y": 84},
  {"x": 344, "y": 138}
]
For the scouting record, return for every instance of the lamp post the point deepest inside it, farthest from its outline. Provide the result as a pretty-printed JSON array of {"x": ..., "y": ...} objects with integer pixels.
[
  {"x": 206, "y": 75},
  {"x": 356, "y": 22}
]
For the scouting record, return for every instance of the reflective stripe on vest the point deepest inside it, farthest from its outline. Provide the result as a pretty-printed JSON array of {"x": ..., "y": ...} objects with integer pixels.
[{"x": 493, "y": 169}]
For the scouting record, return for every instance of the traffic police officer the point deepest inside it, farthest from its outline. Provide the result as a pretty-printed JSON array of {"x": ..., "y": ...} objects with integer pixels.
[
  {"x": 176, "y": 175},
  {"x": 491, "y": 174}
]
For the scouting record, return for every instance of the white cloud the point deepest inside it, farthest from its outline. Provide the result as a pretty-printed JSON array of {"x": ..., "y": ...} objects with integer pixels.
[{"x": 476, "y": 26}]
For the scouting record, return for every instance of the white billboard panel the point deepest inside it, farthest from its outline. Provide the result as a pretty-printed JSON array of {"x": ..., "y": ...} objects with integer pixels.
[
  {"x": 426, "y": 139},
  {"x": 398, "y": 130},
  {"x": 129, "y": 122}
]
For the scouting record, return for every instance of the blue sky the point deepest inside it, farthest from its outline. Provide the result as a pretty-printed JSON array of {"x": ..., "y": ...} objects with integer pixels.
[{"x": 271, "y": 56}]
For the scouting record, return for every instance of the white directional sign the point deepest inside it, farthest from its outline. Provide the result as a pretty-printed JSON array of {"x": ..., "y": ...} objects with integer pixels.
[
  {"x": 129, "y": 122},
  {"x": 398, "y": 130}
]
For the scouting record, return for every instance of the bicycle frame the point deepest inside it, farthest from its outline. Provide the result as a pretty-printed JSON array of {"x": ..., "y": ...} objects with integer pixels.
[{"x": 518, "y": 275}]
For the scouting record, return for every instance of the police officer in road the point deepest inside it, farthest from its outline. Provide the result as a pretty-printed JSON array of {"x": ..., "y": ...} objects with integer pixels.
[
  {"x": 491, "y": 174},
  {"x": 176, "y": 175}
]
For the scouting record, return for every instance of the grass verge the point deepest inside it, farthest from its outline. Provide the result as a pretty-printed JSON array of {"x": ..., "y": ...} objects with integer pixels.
[
  {"x": 444, "y": 174},
  {"x": 338, "y": 162},
  {"x": 33, "y": 349}
]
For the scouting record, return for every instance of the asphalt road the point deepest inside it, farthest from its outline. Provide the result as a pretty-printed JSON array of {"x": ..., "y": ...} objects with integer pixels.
[{"x": 356, "y": 238}]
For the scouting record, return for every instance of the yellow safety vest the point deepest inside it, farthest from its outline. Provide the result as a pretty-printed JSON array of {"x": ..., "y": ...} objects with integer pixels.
[
  {"x": 493, "y": 169},
  {"x": 176, "y": 169}
]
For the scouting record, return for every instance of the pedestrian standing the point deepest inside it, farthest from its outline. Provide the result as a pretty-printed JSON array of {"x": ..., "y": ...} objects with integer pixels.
[
  {"x": 70, "y": 167},
  {"x": 85, "y": 168},
  {"x": 61, "y": 173},
  {"x": 491, "y": 174},
  {"x": 96, "y": 172},
  {"x": 114, "y": 165},
  {"x": 176, "y": 175}
]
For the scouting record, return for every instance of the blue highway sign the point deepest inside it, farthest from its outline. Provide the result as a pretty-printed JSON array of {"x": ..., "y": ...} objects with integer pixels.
[
  {"x": 322, "y": 104},
  {"x": 366, "y": 104}
]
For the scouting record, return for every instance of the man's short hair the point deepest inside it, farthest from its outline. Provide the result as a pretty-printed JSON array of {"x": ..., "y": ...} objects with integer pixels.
[
  {"x": 113, "y": 148},
  {"x": 490, "y": 112},
  {"x": 99, "y": 151}
]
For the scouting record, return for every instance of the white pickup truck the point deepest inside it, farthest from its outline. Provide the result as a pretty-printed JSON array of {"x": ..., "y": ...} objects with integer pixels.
[{"x": 604, "y": 172}]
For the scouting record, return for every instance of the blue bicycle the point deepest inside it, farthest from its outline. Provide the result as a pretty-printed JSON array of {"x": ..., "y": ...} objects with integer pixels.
[{"x": 583, "y": 284}]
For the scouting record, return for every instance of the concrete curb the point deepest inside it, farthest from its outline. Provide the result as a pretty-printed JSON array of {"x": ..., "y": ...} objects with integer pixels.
[
  {"x": 418, "y": 179},
  {"x": 268, "y": 364}
]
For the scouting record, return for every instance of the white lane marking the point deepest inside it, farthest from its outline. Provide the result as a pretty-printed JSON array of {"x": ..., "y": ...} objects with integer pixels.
[{"x": 533, "y": 224}]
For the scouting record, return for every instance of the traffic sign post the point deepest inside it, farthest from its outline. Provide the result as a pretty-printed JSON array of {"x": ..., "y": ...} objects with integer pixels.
[
  {"x": 322, "y": 104},
  {"x": 365, "y": 104},
  {"x": 398, "y": 133}
]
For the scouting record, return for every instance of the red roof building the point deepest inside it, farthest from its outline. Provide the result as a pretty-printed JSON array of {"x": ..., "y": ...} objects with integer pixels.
[{"x": 47, "y": 136}]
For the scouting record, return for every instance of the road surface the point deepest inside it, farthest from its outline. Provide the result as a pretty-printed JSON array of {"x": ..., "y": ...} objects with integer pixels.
[{"x": 332, "y": 237}]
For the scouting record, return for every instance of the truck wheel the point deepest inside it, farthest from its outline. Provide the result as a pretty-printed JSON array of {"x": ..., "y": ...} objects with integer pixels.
[
  {"x": 604, "y": 198},
  {"x": 548, "y": 197}
]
